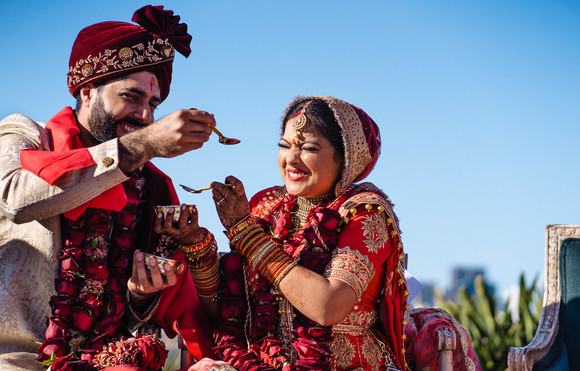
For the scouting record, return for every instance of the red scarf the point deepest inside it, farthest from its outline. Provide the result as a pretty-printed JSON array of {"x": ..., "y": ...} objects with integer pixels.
[
  {"x": 69, "y": 153},
  {"x": 179, "y": 309}
]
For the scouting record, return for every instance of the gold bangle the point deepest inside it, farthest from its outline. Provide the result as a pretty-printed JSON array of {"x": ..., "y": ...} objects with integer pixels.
[
  {"x": 246, "y": 244},
  {"x": 246, "y": 240},
  {"x": 213, "y": 297},
  {"x": 256, "y": 257},
  {"x": 196, "y": 247},
  {"x": 196, "y": 261},
  {"x": 283, "y": 274},
  {"x": 213, "y": 270},
  {"x": 249, "y": 231},
  {"x": 240, "y": 226}
]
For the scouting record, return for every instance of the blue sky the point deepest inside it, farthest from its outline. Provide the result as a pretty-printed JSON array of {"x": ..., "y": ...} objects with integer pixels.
[{"x": 478, "y": 105}]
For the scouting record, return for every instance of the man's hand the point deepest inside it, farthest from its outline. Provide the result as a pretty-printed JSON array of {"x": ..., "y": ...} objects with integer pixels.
[{"x": 175, "y": 134}]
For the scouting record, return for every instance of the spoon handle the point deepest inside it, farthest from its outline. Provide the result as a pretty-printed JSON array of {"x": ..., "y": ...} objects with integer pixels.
[
  {"x": 191, "y": 190},
  {"x": 203, "y": 189},
  {"x": 216, "y": 131}
]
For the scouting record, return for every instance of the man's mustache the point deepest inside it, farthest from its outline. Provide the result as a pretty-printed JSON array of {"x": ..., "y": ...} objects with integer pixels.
[{"x": 131, "y": 121}]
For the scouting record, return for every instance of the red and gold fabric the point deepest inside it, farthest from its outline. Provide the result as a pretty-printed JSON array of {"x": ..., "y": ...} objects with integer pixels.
[
  {"x": 110, "y": 49},
  {"x": 365, "y": 253},
  {"x": 179, "y": 310},
  {"x": 422, "y": 326},
  {"x": 353, "y": 237},
  {"x": 367, "y": 258}
]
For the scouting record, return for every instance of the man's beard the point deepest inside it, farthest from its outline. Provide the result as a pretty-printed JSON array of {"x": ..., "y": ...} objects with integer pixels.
[{"x": 102, "y": 125}]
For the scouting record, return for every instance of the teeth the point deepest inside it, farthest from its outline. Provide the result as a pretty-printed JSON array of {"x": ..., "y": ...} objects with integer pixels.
[
  {"x": 128, "y": 128},
  {"x": 295, "y": 174}
]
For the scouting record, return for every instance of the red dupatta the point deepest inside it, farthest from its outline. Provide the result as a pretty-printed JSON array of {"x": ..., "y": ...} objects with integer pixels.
[
  {"x": 69, "y": 153},
  {"x": 179, "y": 310}
]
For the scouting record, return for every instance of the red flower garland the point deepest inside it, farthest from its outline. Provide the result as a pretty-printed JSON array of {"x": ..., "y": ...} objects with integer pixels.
[
  {"x": 258, "y": 348},
  {"x": 147, "y": 352},
  {"x": 91, "y": 286}
]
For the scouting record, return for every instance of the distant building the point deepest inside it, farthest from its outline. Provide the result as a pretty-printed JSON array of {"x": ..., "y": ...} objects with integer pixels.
[
  {"x": 465, "y": 277},
  {"x": 430, "y": 294},
  {"x": 426, "y": 297}
]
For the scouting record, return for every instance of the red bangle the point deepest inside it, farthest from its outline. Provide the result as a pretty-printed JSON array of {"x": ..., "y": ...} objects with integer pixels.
[
  {"x": 240, "y": 226},
  {"x": 206, "y": 242}
]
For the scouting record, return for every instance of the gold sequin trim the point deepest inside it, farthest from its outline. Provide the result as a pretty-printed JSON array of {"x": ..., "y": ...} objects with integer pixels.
[
  {"x": 351, "y": 267},
  {"x": 342, "y": 350},
  {"x": 375, "y": 232},
  {"x": 372, "y": 198},
  {"x": 356, "y": 323},
  {"x": 113, "y": 60}
]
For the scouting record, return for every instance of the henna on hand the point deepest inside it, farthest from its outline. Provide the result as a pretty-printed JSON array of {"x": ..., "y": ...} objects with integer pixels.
[
  {"x": 231, "y": 203},
  {"x": 186, "y": 231}
]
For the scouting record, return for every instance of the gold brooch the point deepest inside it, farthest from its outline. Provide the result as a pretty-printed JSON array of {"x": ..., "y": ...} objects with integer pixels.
[
  {"x": 87, "y": 70},
  {"x": 126, "y": 53}
]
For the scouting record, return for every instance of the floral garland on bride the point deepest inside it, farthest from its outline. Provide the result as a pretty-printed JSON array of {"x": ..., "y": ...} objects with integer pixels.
[
  {"x": 247, "y": 339},
  {"x": 85, "y": 331}
]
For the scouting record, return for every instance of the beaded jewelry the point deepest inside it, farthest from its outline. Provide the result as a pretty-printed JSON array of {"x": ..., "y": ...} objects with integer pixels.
[
  {"x": 196, "y": 247},
  {"x": 263, "y": 254},
  {"x": 239, "y": 226},
  {"x": 203, "y": 265},
  {"x": 298, "y": 122}
]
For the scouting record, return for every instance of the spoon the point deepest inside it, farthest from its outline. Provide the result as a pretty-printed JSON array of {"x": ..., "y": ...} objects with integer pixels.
[
  {"x": 222, "y": 138},
  {"x": 225, "y": 140},
  {"x": 192, "y": 190}
]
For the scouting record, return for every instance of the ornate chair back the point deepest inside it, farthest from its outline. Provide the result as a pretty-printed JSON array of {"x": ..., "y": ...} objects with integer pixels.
[{"x": 556, "y": 344}]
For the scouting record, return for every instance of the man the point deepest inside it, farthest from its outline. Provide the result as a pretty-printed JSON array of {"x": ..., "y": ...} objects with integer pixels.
[{"x": 77, "y": 197}]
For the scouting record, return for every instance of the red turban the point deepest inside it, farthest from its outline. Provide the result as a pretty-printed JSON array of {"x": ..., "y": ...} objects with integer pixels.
[{"x": 110, "y": 49}]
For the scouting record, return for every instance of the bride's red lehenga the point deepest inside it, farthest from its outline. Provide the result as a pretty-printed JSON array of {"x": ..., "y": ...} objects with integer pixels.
[
  {"x": 354, "y": 238},
  {"x": 351, "y": 234}
]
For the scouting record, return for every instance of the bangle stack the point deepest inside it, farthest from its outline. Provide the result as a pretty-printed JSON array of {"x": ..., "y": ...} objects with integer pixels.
[
  {"x": 248, "y": 221},
  {"x": 197, "y": 247},
  {"x": 203, "y": 264},
  {"x": 262, "y": 254}
]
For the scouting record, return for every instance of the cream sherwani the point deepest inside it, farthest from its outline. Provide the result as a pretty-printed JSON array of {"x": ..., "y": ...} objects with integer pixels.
[{"x": 30, "y": 238}]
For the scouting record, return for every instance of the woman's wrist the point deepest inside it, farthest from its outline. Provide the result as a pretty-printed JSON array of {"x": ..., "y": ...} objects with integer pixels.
[
  {"x": 139, "y": 299},
  {"x": 264, "y": 255},
  {"x": 200, "y": 245},
  {"x": 205, "y": 271},
  {"x": 240, "y": 226}
]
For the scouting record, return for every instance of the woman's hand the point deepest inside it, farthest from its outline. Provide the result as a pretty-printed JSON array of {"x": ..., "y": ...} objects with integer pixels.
[
  {"x": 146, "y": 281},
  {"x": 184, "y": 231},
  {"x": 231, "y": 203}
]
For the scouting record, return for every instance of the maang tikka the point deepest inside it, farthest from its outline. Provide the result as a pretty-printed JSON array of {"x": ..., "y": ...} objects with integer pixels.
[{"x": 298, "y": 122}]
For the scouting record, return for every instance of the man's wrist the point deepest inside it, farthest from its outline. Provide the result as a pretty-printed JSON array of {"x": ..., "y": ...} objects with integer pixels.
[{"x": 132, "y": 152}]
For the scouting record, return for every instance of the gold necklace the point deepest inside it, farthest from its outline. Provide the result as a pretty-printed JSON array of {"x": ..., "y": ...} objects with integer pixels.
[{"x": 305, "y": 205}]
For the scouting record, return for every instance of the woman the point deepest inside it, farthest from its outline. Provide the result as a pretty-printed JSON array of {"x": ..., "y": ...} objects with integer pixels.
[{"x": 315, "y": 281}]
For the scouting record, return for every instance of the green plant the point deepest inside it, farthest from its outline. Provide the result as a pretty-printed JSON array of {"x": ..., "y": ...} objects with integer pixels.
[{"x": 493, "y": 330}]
